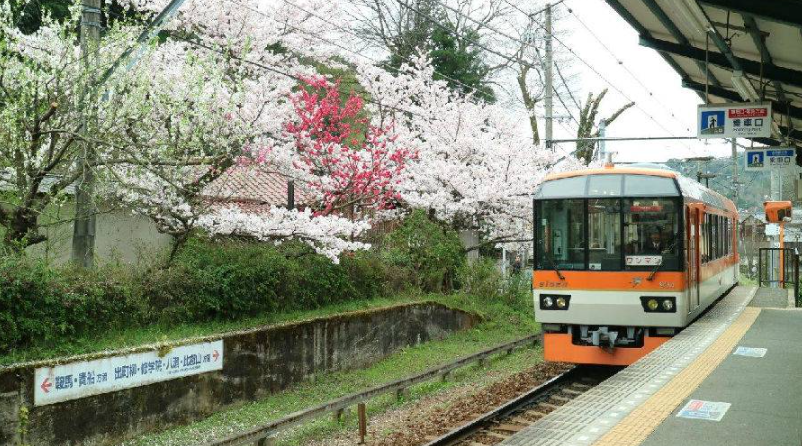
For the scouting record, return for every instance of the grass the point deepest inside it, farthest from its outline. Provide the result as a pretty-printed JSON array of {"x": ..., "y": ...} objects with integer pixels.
[
  {"x": 503, "y": 322},
  {"x": 747, "y": 281}
]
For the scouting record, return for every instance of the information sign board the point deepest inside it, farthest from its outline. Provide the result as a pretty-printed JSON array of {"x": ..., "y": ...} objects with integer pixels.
[
  {"x": 85, "y": 378},
  {"x": 743, "y": 120},
  {"x": 704, "y": 410},
  {"x": 644, "y": 260},
  {"x": 772, "y": 229},
  {"x": 769, "y": 158}
]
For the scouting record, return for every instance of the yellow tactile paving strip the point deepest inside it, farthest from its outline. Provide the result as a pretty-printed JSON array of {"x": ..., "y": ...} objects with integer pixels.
[{"x": 641, "y": 422}]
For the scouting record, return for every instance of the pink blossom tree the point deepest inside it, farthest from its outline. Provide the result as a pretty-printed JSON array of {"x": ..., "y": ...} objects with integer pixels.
[{"x": 351, "y": 163}]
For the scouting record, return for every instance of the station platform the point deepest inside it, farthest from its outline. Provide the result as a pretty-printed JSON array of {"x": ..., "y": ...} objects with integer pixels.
[{"x": 733, "y": 377}]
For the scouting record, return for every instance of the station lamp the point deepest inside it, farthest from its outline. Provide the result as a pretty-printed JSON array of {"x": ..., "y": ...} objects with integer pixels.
[{"x": 694, "y": 16}]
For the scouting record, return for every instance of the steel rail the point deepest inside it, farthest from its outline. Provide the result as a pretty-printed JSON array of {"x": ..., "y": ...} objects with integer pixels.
[
  {"x": 259, "y": 434},
  {"x": 468, "y": 429}
]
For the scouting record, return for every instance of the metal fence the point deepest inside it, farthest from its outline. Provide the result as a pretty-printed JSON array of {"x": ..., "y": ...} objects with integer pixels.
[{"x": 779, "y": 268}]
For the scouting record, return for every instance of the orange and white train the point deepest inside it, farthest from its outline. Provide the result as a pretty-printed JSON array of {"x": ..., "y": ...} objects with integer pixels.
[{"x": 624, "y": 258}]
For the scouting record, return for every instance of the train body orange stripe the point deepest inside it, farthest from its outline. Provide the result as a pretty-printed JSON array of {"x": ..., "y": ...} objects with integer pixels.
[
  {"x": 557, "y": 347},
  {"x": 609, "y": 280}
]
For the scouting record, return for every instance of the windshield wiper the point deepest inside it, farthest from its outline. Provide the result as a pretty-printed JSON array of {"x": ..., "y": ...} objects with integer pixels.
[
  {"x": 654, "y": 271},
  {"x": 553, "y": 264}
]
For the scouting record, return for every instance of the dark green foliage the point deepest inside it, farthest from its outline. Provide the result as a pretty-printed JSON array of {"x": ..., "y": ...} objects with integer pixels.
[
  {"x": 431, "y": 251},
  {"x": 459, "y": 59},
  {"x": 230, "y": 280},
  {"x": 482, "y": 278},
  {"x": 41, "y": 304},
  {"x": 456, "y": 57},
  {"x": 29, "y": 14}
]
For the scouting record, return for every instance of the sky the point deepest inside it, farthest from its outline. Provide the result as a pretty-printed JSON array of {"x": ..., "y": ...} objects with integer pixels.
[{"x": 660, "y": 96}]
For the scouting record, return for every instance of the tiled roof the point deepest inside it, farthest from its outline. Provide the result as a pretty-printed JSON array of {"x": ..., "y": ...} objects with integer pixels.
[{"x": 252, "y": 187}]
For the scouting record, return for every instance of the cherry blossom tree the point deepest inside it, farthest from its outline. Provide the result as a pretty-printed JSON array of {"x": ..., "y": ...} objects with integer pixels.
[
  {"x": 475, "y": 169},
  {"x": 44, "y": 91},
  {"x": 219, "y": 109}
]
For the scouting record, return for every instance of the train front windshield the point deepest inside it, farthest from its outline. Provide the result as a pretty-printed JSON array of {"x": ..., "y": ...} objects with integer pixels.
[{"x": 608, "y": 234}]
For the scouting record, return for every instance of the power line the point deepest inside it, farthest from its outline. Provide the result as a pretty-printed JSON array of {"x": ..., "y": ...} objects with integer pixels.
[
  {"x": 352, "y": 33},
  {"x": 515, "y": 39},
  {"x": 284, "y": 73},
  {"x": 621, "y": 63}
]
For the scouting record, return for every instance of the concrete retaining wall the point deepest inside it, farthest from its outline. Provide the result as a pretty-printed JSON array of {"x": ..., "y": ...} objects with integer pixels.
[{"x": 256, "y": 362}]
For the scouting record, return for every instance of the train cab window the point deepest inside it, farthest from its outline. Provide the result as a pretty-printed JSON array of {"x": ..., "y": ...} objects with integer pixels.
[
  {"x": 564, "y": 187},
  {"x": 605, "y": 185},
  {"x": 604, "y": 234},
  {"x": 561, "y": 234},
  {"x": 651, "y": 234},
  {"x": 649, "y": 186}
]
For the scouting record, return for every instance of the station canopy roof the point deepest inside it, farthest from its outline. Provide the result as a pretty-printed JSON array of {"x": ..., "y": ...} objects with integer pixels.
[{"x": 756, "y": 41}]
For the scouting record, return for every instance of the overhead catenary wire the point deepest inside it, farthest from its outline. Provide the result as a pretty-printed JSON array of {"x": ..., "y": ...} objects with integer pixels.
[
  {"x": 624, "y": 66},
  {"x": 352, "y": 33},
  {"x": 515, "y": 39},
  {"x": 282, "y": 72},
  {"x": 290, "y": 3}
]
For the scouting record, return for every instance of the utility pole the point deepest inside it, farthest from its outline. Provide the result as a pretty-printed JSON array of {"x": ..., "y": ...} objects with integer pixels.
[
  {"x": 549, "y": 80},
  {"x": 83, "y": 234},
  {"x": 602, "y": 142}
]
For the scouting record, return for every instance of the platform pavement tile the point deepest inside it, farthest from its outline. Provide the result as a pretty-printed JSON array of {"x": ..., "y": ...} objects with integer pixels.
[
  {"x": 657, "y": 408},
  {"x": 629, "y": 391}
]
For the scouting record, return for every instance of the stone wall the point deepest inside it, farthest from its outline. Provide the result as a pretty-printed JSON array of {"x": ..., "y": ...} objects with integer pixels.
[{"x": 256, "y": 362}]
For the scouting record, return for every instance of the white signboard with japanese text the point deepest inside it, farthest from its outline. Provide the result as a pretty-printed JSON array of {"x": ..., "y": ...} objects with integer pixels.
[
  {"x": 749, "y": 120},
  {"x": 704, "y": 410},
  {"x": 772, "y": 229},
  {"x": 770, "y": 158},
  {"x": 85, "y": 378},
  {"x": 644, "y": 260}
]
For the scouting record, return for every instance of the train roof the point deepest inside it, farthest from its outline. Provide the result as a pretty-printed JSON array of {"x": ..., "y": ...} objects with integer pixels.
[{"x": 629, "y": 181}]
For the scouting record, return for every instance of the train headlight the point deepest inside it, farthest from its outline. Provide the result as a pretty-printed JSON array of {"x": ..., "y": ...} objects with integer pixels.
[
  {"x": 555, "y": 301},
  {"x": 659, "y": 304}
]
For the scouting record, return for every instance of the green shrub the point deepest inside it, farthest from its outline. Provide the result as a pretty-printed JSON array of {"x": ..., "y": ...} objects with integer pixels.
[
  {"x": 432, "y": 252},
  {"x": 482, "y": 278},
  {"x": 39, "y": 305},
  {"x": 230, "y": 279},
  {"x": 216, "y": 280}
]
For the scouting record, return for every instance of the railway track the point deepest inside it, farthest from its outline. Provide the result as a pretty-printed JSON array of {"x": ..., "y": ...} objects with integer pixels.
[{"x": 504, "y": 421}]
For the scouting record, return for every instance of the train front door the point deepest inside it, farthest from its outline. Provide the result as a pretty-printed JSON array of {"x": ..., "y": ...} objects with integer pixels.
[{"x": 692, "y": 258}]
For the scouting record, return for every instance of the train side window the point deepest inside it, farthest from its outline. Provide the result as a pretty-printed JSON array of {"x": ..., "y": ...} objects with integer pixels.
[
  {"x": 703, "y": 239},
  {"x": 714, "y": 237}
]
